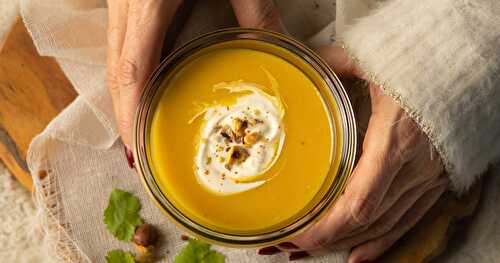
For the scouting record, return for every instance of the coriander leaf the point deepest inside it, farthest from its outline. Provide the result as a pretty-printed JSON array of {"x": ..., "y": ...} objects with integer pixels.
[
  {"x": 197, "y": 251},
  {"x": 119, "y": 256},
  {"x": 122, "y": 214}
]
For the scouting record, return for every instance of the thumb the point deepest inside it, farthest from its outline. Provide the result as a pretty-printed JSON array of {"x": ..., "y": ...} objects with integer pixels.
[{"x": 258, "y": 14}]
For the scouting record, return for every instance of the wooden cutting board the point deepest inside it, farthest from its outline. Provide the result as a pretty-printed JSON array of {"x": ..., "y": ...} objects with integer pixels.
[{"x": 33, "y": 90}]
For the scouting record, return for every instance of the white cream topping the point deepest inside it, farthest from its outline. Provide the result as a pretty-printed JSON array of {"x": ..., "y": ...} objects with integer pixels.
[{"x": 240, "y": 142}]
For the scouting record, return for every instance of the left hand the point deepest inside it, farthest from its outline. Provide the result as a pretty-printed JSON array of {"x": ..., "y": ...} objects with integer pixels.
[{"x": 396, "y": 180}]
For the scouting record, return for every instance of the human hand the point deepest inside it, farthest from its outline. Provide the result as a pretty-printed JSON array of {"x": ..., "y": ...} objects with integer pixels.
[
  {"x": 261, "y": 14},
  {"x": 398, "y": 177},
  {"x": 136, "y": 30}
]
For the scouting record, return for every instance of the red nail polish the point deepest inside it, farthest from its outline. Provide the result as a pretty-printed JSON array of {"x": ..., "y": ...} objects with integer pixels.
[
  {"x": 288, "y": 245},
  {"x": 130, "y": 157},
  {"x": 269, "y": 250},
  {"x": 297, "y": 255}
]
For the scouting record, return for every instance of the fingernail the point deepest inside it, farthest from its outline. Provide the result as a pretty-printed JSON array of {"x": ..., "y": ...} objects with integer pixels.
[
  {"x": 297, "y": 255},
  {"x": 269, "y": 250},
  {"x": 130, "y": 157},
  {"x": 288, "y": 245}
]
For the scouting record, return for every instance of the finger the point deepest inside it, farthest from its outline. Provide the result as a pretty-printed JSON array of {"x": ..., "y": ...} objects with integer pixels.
[
  {"x": 336, "y": 57},
  {"x": 117, "y": 27},
  {"x": 146, "y": 26},
  {"x": 390, "y": 218},
  {"x": 420, "y": 173},
  {"x": 391, "y": 147},
  {"x": 372, "y": 177},
  {"x": 258, "y": 14},
  {"x": 376, "y": 247}
]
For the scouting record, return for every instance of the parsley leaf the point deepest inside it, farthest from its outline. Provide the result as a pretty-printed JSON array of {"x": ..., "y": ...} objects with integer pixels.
[
  {"x": 122, "y": 214},
  {"x": 119, "y": 256},
  {"x": 197, "y": 251}
]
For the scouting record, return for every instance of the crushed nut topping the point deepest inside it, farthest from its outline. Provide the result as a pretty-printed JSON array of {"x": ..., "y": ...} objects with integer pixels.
[
  {"x": 250, "y": 139},
  {"x": 239, "y": 126},
  {"x": 238, "y": 133},
  {"x": 236, "y": 154}
]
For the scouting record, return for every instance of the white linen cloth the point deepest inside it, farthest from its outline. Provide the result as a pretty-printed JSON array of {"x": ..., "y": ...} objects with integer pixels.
[
  {"x": 79, "y": 150},
  {"x": 9, "y": 11},
  {"x": 21, "y": 234}
]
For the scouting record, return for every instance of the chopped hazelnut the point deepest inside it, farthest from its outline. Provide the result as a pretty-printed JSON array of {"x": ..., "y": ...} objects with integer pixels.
[
  {"x": 236, "y": 154},
  {"x": 229, "y": 134},
  {"x": 224, "y": 134},
  {"x": 251, "y": 138},
  {"x": 239, "y": 126}
]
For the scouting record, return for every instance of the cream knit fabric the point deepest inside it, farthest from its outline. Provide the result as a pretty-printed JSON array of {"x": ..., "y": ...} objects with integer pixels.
[{"x": 440, "y": 60}]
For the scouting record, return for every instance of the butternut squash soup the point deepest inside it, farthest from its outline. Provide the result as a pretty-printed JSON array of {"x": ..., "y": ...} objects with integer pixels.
[
  {"x": 241, "y": 139},
  {"x": 244, "y": 137}
]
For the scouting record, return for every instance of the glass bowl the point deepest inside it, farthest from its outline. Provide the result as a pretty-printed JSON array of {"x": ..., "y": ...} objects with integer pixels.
[{"x": 334, "y": 96}]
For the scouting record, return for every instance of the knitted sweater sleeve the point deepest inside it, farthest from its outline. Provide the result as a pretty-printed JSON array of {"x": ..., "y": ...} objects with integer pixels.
[{"x": 440, "y": 61}]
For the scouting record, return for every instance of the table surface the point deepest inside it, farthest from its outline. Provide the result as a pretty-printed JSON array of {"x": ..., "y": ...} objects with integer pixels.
[{"x": 33, "y": 90}]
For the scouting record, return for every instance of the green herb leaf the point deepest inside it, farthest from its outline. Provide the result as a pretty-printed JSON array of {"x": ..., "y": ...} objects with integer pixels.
[
  {"x": 197, "y": 251},
  {"x": 119, "y": 256},
  {"x": 122, "y": 214}
]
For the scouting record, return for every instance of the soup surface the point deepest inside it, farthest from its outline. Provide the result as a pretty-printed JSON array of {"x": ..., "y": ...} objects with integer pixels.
[{"x": 260, "y": 190}]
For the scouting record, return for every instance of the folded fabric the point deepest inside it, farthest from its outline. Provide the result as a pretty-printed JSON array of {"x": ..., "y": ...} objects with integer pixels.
[{"x": 9, "y": 11}]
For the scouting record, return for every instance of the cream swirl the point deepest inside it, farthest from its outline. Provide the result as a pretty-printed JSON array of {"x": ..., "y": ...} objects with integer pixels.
[{"x": 239, "y": 143}]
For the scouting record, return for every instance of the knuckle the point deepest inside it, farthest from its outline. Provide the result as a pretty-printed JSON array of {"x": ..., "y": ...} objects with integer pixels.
[
  {"x": 112, "y": 82},
  {"x": 363, "y": 211},
  {"x": 127, "y": 73},
  {"x": 268, "y": 17},
  {"x": 124, "y": 124}
]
